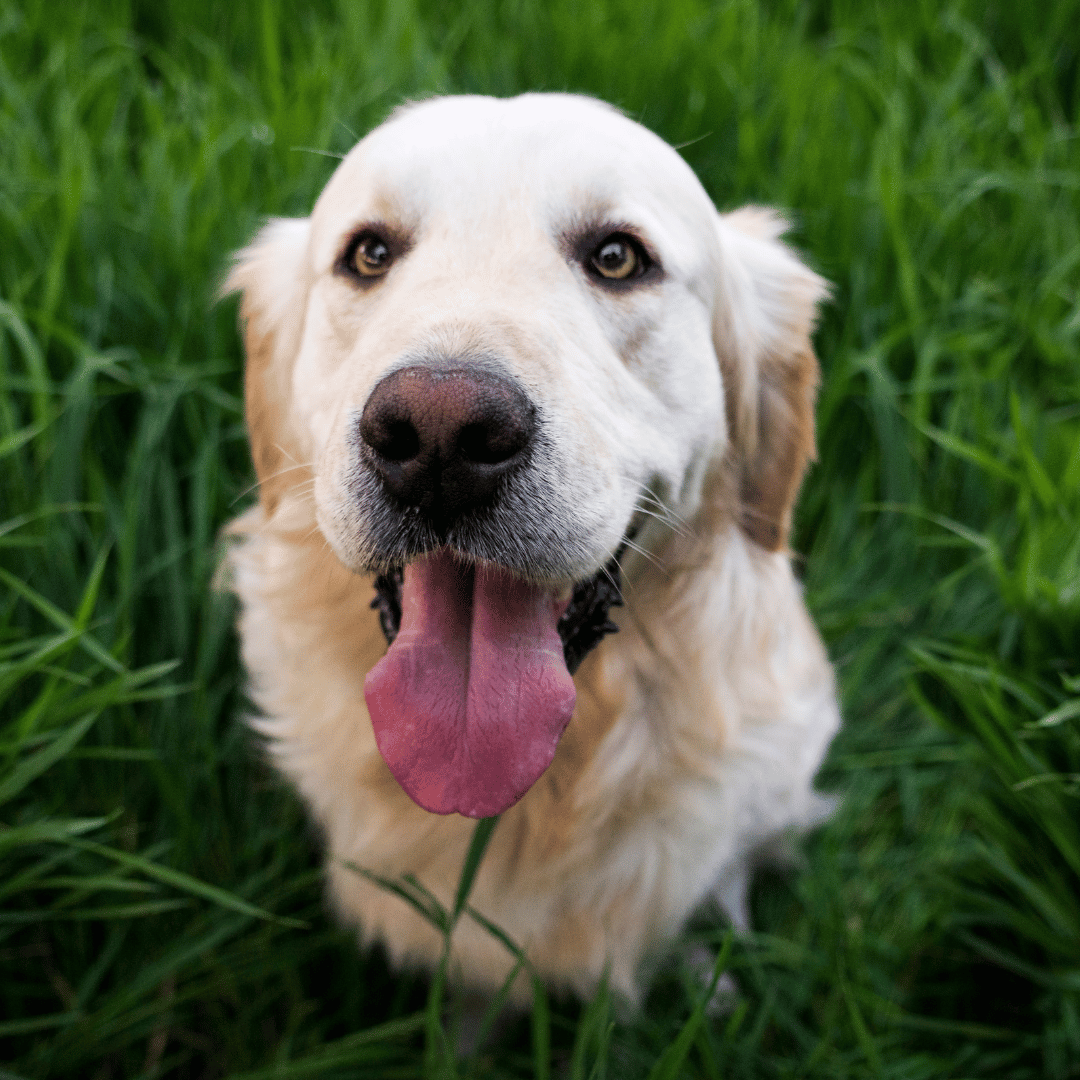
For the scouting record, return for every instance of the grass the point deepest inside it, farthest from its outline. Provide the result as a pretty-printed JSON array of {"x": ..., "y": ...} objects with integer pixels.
[{"x": 161, "y": 910}]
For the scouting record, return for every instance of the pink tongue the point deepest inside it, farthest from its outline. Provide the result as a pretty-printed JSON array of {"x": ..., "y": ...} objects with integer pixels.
[{"x": 470, "y": 700}]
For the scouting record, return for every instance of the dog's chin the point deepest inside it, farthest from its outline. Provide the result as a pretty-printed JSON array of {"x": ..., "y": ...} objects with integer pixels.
[{"x": 476, "y": 687}]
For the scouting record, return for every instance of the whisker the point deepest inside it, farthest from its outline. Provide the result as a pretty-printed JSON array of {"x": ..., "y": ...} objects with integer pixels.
[
  {"x": 259, "y": 481},
  {"x": 617, "y": 585},
  {"x": 674, "y": 525},
  {"x": 316, "y": 150},
  {"x": 657, "y": 501},
  {"x": 644, "y": 553}
]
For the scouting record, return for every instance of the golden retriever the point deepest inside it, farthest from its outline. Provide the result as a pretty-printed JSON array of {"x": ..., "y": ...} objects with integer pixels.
[{"x": 513, "y": 364}]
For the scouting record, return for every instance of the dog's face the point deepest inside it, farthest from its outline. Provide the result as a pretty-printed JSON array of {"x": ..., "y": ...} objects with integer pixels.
[
  {"x": 488, "y": 222},
  {"x": 510, "y": 332}
]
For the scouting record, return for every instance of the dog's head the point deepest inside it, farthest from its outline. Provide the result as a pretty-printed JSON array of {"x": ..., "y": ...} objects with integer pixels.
[{"x": 511, "y": 332}]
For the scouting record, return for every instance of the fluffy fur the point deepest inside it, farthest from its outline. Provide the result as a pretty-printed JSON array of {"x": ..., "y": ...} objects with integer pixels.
[{"x": 680, "y": 406}]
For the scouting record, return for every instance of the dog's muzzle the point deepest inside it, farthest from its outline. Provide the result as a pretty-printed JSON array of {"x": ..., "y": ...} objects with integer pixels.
[
  {"x": 444, "y": 439},
  {"x": 471, "y": 698}
]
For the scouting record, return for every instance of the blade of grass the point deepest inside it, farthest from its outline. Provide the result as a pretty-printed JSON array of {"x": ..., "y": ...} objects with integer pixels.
[
  {"x": 32, "y": 767},
  {"x": 477, "y": 846},
  {"x": 669, "y": 1065},
  {"x": 178, "y": 879},
  {"x": 423, "y": 903},
  {"x": 341, "y": 1053},
  {"x": 541, "y": 1031}
]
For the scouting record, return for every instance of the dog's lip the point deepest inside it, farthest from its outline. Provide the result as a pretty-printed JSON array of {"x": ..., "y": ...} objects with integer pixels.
[{"x": 585, "y": 603}]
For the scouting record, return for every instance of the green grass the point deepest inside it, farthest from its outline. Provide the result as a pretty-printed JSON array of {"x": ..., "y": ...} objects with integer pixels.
[{"x": 161, "y": 910}]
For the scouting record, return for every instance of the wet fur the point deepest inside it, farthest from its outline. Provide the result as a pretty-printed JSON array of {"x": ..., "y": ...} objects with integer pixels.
[{"x": 698, "y": 726}]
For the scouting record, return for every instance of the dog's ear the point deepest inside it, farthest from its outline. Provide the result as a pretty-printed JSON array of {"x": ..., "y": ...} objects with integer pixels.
[
  {"x": 271, "y": 273},
  {"x": 765, "y": 312}
]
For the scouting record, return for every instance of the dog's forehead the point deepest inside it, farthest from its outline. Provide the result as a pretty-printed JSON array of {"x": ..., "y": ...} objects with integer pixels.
[{"x": 548, "y": 159}]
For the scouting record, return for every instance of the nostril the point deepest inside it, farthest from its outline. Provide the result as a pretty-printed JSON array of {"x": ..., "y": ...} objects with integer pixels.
[
  {"x": 400, "y": 442},
  {"x": 490, "y": 444},
  {"x": 393, "y": 438}
]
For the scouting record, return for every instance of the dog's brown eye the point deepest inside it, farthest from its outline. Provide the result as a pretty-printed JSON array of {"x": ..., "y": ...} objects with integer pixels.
[
  {"x": 370, "y": 257},
  {"x": 618, "y": 258}
]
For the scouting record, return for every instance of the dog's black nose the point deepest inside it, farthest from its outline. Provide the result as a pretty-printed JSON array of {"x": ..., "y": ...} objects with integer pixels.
[{"x": 443, "y": 437}]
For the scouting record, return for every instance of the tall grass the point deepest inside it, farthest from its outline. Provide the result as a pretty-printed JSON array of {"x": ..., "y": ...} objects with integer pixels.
[{"x": 161, "y": 907}]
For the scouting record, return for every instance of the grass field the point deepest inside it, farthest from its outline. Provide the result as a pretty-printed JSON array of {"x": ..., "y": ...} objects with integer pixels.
[{"x": 161, "y": 910}]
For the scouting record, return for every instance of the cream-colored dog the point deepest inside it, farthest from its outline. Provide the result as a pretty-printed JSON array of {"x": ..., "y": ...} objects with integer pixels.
[{"x": 513, "y": 357}]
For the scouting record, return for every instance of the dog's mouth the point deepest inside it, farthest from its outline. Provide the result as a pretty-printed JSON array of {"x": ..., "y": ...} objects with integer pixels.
[{"x": 471, "y": 698}]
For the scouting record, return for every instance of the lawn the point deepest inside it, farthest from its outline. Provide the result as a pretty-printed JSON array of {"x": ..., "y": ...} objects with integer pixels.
[{"x": 161, "y": 905}]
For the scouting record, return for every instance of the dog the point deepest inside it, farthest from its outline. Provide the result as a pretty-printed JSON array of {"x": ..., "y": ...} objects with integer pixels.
[{"x": 528, "y": 418}]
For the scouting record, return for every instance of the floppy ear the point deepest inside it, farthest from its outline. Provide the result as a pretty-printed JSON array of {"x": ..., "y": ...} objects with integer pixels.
[
  {"x": 271, "y": 273},
  {"x": 765, "y": 313}
]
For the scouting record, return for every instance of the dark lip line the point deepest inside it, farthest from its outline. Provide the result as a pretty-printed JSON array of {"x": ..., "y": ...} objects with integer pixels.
[{"x": 581, "y": 627}]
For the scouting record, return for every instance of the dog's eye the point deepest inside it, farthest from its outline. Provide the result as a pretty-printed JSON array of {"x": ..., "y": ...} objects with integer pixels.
[
  {"x": 369, "y": 256},
  {"x": 618, "y": 258}
]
